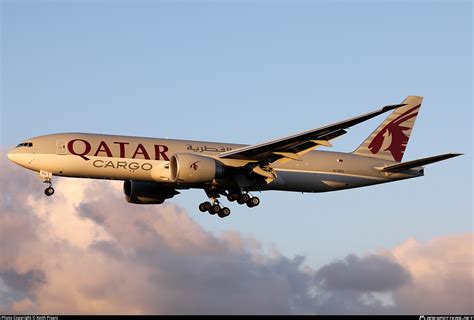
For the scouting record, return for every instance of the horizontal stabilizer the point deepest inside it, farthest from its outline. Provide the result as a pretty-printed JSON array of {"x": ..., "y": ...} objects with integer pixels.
[{"x": 418, "y": 163}]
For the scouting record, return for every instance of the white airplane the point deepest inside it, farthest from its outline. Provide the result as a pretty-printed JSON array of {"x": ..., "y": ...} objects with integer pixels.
[{"x": 154, "y": 169}]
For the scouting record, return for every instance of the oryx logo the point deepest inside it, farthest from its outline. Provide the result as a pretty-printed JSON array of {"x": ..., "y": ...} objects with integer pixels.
[
  {"x": 392, "y": 137},
  {"x": 194, "y": 165}
]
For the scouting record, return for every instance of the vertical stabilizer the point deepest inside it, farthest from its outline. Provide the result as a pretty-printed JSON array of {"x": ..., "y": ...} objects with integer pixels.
[{"x": 390, "y": 139}]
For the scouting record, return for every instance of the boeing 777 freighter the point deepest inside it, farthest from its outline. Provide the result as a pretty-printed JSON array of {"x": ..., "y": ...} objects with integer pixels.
[{"x": 154, "y": 170}]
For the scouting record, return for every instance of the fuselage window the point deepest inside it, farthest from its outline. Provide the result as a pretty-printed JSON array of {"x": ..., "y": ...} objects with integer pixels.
[{"x": 340, "y": 160}]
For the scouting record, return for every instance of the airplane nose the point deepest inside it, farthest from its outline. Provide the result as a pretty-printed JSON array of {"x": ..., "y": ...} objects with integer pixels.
[
  {"x": 18, "y": 157},
  {"x": 11, "y": 155},
  {"x": 21, "y": 157}
]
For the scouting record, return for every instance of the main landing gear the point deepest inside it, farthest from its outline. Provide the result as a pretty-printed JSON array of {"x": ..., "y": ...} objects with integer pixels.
[
  {"x": 214, "y": 207},
  {"x": 47, "y": 178},
  {"x": 244, "y": 198}
]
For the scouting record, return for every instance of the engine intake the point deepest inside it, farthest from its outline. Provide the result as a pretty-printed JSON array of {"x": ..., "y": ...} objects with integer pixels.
[
  {"x": 143, "y": 192},
  {"x": 190, "y": 168}
]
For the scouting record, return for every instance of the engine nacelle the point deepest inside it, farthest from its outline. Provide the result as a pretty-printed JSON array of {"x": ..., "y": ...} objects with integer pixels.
[
  {"x": 143, "y": 192},
  {"x": 191, "y": 168}
]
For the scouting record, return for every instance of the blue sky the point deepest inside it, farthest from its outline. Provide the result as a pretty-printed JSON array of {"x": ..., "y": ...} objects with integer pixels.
[{"x": 252, "y": 71}]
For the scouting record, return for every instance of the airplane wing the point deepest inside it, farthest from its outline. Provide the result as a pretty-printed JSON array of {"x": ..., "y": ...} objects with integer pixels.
[{"x": 293, "y": 146}]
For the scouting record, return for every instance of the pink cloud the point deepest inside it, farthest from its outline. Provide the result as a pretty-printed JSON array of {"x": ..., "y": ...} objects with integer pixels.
[{"x": 443, "y": 275}]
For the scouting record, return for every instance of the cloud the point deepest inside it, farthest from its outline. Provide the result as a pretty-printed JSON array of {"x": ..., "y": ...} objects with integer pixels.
[
  {"x": 372, "y": 273},
  {"x": 91, "y": 252},
  {"x": 413, "y": 278},
  {"x": 85, "y": 250},
  {"x": 442, "y": 272}
]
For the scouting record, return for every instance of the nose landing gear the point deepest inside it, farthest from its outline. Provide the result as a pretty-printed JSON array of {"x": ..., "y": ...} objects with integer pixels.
[
  {"x": 47, "y": 178},
  {"x": 49, "y": 191}
]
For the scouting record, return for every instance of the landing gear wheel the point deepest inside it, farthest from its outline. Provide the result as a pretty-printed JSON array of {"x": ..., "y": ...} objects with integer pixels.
[
  {"x": 205, "y": 206},
  {"x": 243, "y": 198},
  {"x": 214, "y": 209},
  {"x": 224, "y": 212},
  {"x": 253, "y": 202},
  {"x": 49, "y": 191},
  {"x": 232, "y": 197}
]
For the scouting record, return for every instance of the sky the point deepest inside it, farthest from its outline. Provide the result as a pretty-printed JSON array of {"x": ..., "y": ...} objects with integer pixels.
[{"x": 242, "y": 72}]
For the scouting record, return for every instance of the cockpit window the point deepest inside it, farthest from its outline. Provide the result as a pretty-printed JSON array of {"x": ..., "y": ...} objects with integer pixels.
[{"x": 25, "y": 144}]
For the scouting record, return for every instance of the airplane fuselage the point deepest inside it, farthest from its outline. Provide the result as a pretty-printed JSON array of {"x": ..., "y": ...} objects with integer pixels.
[{"x": 148, "y": 159}]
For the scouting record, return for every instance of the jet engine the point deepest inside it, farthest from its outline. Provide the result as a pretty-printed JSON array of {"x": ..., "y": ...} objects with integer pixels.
[
  {"x": 191, "y": 168},
  {"x": 143, "y": 192}
]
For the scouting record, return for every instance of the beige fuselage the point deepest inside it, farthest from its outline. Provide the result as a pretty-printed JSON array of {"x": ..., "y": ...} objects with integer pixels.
[{"x": 147, "y": 159}]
